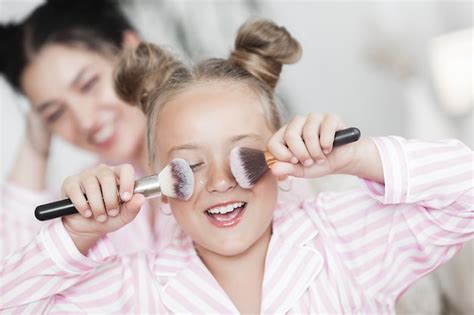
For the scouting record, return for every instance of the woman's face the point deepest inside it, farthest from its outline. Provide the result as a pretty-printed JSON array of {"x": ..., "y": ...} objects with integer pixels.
[
  {"x": 72, "y": 90},
  {"x": 201, "y": 125}
]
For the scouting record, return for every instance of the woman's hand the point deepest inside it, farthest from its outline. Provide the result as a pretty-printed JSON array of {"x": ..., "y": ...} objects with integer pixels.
[
  {"x": 104, "y": 198},
  {"x": 304, "y": 148},
  {"x": 38, "y": 134}
]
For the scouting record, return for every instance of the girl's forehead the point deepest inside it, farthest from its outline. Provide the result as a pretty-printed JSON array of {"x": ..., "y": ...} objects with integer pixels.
[
  {"x": 219, "y": 101},
  {"x": 210, "y": 113}
]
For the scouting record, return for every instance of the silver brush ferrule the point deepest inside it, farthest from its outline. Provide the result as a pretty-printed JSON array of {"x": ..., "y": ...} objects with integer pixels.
[{"x": 148, "y": 186}]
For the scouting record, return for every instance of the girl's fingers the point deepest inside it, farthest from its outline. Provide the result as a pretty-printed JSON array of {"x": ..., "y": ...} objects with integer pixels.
[
  {"x": 294, "y": 140},
  {"x": 277, "y": 146},
  {"x": 108, "y": 185},
  {"x": 91, "y": 187},
  {"x": 72, "y": 190},
  {"x": 311, "y": 137},
  {"x": 126, "y": 174},
  {"x": 329, "y": 126},
  {"x": 130, "y": 209}
]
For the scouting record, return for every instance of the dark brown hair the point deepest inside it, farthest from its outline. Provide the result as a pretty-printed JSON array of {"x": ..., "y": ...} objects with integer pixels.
[{"x": 97, "y": 25}]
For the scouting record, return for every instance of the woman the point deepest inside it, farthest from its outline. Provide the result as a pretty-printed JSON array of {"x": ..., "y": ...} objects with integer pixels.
[{"x": 61, "y": 58}]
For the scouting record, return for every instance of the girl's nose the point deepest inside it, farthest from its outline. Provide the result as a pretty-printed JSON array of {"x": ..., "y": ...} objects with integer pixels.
[{"x": 220, "y": 178}]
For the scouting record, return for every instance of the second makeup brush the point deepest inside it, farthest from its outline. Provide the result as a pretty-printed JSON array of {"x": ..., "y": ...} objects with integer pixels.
[{"x": 248, "y": 165}]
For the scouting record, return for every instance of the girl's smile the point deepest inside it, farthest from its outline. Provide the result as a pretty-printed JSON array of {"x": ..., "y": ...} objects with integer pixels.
[{"x": 226, "y": 214}]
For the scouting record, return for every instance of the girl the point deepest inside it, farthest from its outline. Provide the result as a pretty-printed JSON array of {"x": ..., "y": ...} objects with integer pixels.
[
  {"x": 239, "y": 250},
  {"x": 61, "y": 58}
]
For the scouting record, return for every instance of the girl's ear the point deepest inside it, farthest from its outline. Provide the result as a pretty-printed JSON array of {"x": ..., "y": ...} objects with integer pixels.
[{"x": 130, "y": 39}]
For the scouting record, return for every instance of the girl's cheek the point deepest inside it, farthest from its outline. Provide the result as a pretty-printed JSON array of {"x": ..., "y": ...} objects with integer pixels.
[{"x": 200, "y": 183}]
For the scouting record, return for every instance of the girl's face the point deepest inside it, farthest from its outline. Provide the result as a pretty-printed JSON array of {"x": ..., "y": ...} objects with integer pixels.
[
  {"x": 72, "y": 90},
  {"x": 202, "y": 125}
]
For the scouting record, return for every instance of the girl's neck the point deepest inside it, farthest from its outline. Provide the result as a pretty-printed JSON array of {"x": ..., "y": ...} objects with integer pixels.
[
  {"x": 241, "y": 276},
  {"x": 219, "y": 264}
]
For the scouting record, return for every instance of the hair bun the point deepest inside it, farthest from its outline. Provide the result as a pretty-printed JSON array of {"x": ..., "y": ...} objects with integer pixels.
[
  {"x": 262, "y": 47},
  {"x": 141, "y": 72}
]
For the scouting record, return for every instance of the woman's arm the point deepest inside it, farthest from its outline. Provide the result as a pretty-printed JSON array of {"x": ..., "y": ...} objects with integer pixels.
[{"x": 29, "y": 169}]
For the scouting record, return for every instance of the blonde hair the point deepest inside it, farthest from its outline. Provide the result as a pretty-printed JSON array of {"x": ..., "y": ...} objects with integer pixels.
[{"x": 149, "y": 76}]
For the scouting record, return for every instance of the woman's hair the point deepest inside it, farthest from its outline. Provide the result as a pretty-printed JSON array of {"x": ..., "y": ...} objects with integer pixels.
[
  {"x": 97, "y": 25},
  {"x": 149, "y": 76}
]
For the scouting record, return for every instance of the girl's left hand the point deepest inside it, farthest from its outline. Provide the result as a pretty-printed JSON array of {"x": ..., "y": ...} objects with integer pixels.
[{"x": 304, "y": 147}]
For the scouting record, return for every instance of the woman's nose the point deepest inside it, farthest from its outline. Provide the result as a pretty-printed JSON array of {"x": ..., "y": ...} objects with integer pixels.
[
  {"x": 220, "y": 178},
  {"x": 83, "y": 113}
]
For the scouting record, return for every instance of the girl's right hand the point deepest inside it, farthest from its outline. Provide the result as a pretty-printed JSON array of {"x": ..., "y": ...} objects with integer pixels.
[{"x": 104, "y": 198}]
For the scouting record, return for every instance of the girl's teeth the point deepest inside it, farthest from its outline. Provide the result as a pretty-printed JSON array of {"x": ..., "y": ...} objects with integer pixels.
[
  {"x": 104, "y": 133},
  {"x": 225, "y": 209}
]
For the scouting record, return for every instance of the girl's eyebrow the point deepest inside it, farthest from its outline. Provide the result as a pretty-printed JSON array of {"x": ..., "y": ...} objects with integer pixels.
[
  {"x": 237, "y": 138},
  {"x": 189, "y": 146},
  {"x": 252, "y": 136}
]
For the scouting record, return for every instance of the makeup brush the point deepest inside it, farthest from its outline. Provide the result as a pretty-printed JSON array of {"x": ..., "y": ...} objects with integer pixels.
[
  {"x": 176, "y": 180},
  {"x": 248, "y": 165}
]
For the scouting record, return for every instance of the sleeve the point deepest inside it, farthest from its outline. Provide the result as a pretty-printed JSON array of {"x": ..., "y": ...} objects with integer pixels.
[
  {"x": 18, "y": 225},
  {"x": 392, "y": 234},
  {"x": 51, "y": 274}
]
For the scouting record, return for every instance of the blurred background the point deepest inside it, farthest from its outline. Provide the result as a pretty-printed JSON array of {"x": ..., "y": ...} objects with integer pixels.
[{"x": 387, "y": 67}]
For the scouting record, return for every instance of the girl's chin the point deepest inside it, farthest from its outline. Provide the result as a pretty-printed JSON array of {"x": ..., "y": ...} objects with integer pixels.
[{"x": 231, "y": 247}]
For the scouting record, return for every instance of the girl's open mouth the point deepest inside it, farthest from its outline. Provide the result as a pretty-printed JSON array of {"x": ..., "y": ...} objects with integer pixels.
[{"x": 226, "y": 215}]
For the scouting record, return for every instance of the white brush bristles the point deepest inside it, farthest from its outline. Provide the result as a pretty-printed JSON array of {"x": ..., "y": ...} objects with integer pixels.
[
  {"x": 238, "y": 170},
  {"x": 177, "y": 180}
]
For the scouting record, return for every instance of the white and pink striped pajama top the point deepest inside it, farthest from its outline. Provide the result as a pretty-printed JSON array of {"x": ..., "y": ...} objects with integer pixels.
[{"x": 351, "y": 252}]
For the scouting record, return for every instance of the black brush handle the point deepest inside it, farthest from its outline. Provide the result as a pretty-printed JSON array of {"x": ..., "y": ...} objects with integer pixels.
[
  {"x": 55, "y": 210},
  {"x": 147, "y": 186},
  {"x": 346, "y": 136}
]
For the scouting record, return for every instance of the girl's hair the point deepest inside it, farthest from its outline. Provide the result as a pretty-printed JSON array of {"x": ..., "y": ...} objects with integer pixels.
[
  {"x": 149, "y": 76},
  {"x": 97, "y": 25}
]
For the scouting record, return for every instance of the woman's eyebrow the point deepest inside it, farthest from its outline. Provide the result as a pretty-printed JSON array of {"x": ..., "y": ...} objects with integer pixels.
[
  {"x": 42, "y": 107},
  {"x": 195, "y": 146},
  {"x": 79, "y": 76}
]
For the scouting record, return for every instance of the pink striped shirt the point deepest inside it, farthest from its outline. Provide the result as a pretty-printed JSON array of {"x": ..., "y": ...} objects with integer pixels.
[
  {"x": 351, "y": 252},
  {"x": 18, "y": 225}
]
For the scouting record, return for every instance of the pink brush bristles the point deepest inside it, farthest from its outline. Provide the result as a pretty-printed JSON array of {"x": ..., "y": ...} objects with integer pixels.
[
  {"x": 247, "y": 165},
  {"x": 177, "y": 180}
]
